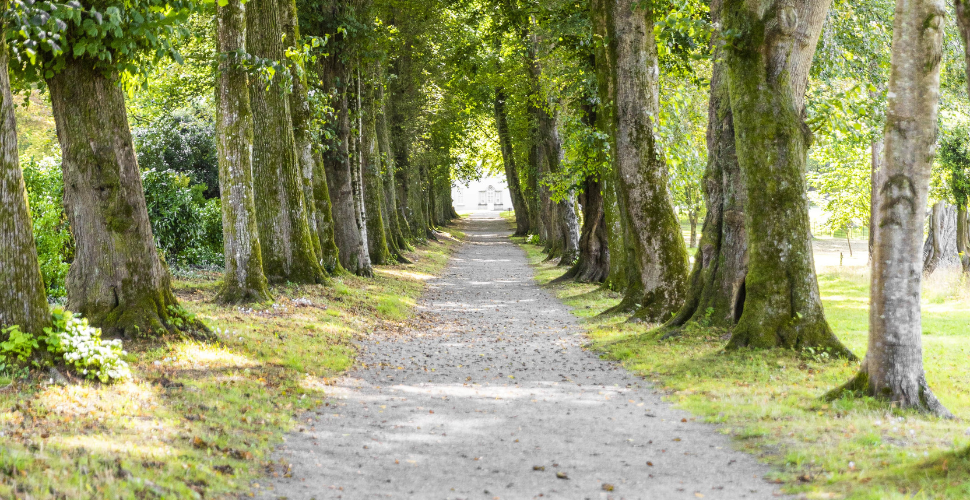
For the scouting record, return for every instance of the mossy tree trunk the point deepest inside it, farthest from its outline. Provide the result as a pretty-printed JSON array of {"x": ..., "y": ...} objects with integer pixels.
[
  {"x": 23, "y": 301},
  {"x": 372, "y": 180},
  {"x": 397, "y": 240},
  {"x": 316, "y": 194},
  {"x": 508, "y": 160},
  {"x": 715, "y": 290},
  {"x": 403, "y": 90},
  {"x": 338, "y": 165},
  {"x": 117, "y": 280},
  {"x": 767, "y": 69},
  {"x": 286, "y": 241},
  {"x": 652, "y": 234},
  {"x": 893, "y": 366},
  {"x": 243, "y": 280}
]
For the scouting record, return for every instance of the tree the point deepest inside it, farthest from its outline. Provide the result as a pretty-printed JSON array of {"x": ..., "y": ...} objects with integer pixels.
[
  {"x": 893, "y": 366},
  {"x": 23, "y": 301},
  {"x": 243, "y": 280},
  {"x": 522, "y": 227},
  {"x": 117, "y": 279},
  {"x": 653, "y": 244},
  {"x": 288, "y": 246},
  {"x": 767, "y": 73}
]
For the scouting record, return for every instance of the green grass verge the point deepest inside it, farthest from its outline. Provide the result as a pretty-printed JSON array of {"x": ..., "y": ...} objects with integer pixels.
[
  {"x": 200, "y": 420},
  {"x": 853, "y": 448}
]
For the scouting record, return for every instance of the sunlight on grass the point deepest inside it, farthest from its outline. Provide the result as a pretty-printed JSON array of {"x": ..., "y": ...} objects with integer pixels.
[
  {"x": 769, "y": 401},
  {"x": 199, "y": 420}
]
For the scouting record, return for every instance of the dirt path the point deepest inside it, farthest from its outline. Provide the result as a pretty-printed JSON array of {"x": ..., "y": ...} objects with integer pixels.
[{"x": 497, "y": 399}]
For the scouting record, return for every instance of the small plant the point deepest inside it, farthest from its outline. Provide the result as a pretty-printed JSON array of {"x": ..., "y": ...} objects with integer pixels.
[
  {"x": 533, "y": 239},
  {"x": 81, "y": 346},
  {"x": 19, "y": 345},
  {"x": 817, "y": 354}
]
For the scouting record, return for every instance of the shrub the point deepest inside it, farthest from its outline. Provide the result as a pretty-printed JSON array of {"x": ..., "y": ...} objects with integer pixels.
[
  {"x": 80, "y": 346},
  {"x": 55, "y": 244},
  {"x": 187, "y": 227},
  {"x": 183, "y": 141},
  {"x": 70, "y": 340}
]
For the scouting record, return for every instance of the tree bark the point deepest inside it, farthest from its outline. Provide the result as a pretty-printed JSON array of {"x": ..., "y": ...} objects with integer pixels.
[
  {"x": 117, "y": 280},
  {"x": 357, "y": 175},
  {"x": 940, "y": 249},
  {"x": 962, "y": 10},
  {"x": 338, "y": 165},
  {"x": 396, "y": 234},
  {"x": 316, "y": 193},
  {"x": 715, "y": 295},
  {"x": 23, "y": 301},
  {"x": 767, "y": 70},
  {"x": 511, "y": 170},
  {"x": 893, "y": 366},
  {"x": 286, "y": 240},
  {"x": 243, "y": 280},
  {"x": 373, "y": 182},
  {"x": 875, "y": 180},
  {"x": 652, "y": 234}
]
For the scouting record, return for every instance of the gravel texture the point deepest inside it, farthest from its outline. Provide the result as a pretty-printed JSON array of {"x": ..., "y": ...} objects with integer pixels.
[{"x": 491, "y": 396}]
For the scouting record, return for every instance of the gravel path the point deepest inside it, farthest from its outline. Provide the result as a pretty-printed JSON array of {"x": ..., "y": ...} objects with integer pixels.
[{"x": 496, "y": 399}]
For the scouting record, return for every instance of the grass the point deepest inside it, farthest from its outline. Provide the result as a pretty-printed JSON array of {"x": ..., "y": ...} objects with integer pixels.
[
  {"x": 769, "y": 401},
  {"x": 200, "y": 420}
]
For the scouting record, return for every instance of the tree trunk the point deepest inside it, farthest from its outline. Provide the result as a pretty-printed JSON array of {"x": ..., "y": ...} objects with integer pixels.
[
  {"x": 286, "y": 240},
  {"x": 692, "y": 217},
  {"x": 373, "y": 183},
  {"x": 243, "y": 280},
  {"x": 893, "y": 366},
  {"x": 767, "y": 70},
  {"x": 316, "y": 194},
  {"x": 653, "y": 237},
  {"x": 963, "y": 237},
  {"x": 357, "y": 177},
  {"x": 23, "y": 301},
  {"x": 940, "y": 249},
  {"x": 338, "y": 166},
  {"x": 593, "y": 264},
  {"x": 511, "y": 170},
  {"x": 715, "y": 294},
  {"x": 117, "y": 280},
  {"x": 396, "y": 234}
]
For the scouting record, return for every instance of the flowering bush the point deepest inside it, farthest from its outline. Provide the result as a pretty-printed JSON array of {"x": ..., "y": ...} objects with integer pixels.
[{"x": 80, "y": 345}]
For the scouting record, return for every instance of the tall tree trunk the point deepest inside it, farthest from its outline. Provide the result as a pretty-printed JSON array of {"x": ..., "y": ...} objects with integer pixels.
[
  {"x": 117, "y": 280},
  {"x": 875, "y": 180},
  {"x": 373, "y": 182},
  {"x": 893, "y": 366},
  {"x": 338, "y": 166},
  {"x": 767, "y": 73},
  {"x": 652, "y": 233},
  {"x": 286, "y": 240},
  {"x": 593, "y": 264},
  {"x": 316, "y": 194},
  {"x": 243, "y": 280},
  {"x": 23, "y": 301},
  {"x": 511, "y": 170},
  {"x": 357, "y": 176},
  {"x": 396, "y": 233},
  {"x": 715, "y": 293}
]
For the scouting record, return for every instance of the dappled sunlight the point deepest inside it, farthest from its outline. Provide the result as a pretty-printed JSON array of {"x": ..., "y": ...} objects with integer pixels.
[
  {"x": 211, "y": 356},
  {"x": 402, "y": 273},
  {"x": 111, "y": 445}
]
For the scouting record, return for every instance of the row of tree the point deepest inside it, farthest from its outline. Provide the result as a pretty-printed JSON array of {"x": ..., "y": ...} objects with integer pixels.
[
  {"x": 754, "y": 271},
  {"x": 326, "y": 160}
]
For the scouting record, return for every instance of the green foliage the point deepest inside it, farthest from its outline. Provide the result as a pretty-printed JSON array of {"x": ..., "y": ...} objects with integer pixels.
[
  {"x": 182, "y": 141},
  {"x": 186, "y": 226},
  {"x": 954, "y": 161},
  {"x": 79, "y": 345},
  {"x": 52, "y": 234},
  {"x": 19, "y": 345},
  {"x": 116, "y": 35},
  {"x": 683, "y": 124}
]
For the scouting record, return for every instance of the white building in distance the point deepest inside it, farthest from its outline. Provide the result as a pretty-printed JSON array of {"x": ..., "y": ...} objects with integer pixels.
[{"x": 488, "y": 193}]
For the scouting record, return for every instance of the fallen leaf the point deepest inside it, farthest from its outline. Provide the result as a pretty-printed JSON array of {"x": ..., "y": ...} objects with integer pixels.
[
  {"x": 607, "y": 487},
  {"x": 562, "y": 475},
  {"x": 538, "y": 467}
]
